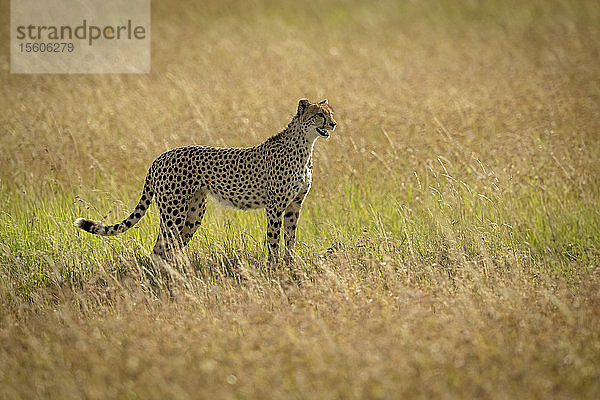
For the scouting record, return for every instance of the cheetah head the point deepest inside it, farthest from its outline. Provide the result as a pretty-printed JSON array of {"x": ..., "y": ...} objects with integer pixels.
[{"x": 317, "y": 117}]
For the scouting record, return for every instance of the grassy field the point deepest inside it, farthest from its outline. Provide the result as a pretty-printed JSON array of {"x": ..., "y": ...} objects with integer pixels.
[{"x": 449, "y": 247}]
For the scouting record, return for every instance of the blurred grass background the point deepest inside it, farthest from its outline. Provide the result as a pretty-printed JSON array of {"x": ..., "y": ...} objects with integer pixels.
[{"x": 449, "y": 244}]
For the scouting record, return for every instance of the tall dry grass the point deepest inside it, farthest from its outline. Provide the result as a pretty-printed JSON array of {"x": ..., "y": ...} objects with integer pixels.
[{"x": 448, "y": 247}]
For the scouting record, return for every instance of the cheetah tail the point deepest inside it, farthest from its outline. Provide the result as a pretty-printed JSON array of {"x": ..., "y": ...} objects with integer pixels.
[{"x": 112, "y": 230}]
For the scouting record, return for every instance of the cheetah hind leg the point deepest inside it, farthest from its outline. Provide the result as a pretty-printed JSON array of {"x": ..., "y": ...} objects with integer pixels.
[
  {"x": 168, "y": 243},
  {"x": 170, "y": 235},
  {"x": 174, "y": 234},
  {"x": 196, "y": 209},
  {"x": 161, "y": 256},
  {"x": 274, "y": 217}
]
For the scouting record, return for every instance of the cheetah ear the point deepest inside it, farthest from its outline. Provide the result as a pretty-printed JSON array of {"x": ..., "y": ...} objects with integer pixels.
[
  {"x": 302, "y": 104},
  {"x": 323, "y": 101}
]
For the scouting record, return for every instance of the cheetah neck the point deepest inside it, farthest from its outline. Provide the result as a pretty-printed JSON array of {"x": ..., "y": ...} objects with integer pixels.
[
  {"x": 299, "y": 133},
  {"x": 296, "y": 136}
]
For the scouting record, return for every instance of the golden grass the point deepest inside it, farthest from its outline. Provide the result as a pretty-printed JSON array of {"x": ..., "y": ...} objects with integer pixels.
[{"x": 449, "y": 247}]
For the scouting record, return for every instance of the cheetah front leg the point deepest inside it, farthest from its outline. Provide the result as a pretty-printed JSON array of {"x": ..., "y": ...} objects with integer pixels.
[
  {"x": 290, "y": 222},
  {"x": 273, "y": 230}
]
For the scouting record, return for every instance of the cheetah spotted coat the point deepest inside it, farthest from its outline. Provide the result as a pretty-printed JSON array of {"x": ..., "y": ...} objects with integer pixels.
[{"x": 275, "y": 175}]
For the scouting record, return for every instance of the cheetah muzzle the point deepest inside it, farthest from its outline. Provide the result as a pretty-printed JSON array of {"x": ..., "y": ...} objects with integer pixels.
[
  {"x": 323, "y": 132},
  {"x": 275, "y": 175}
]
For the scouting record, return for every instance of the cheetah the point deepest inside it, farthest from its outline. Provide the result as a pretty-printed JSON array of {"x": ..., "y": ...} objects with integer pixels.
[{"x": 275, "y": 175}]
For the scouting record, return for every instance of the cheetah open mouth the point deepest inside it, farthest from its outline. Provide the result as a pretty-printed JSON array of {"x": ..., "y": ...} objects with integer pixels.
[{"x": 323, "y": 132}]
